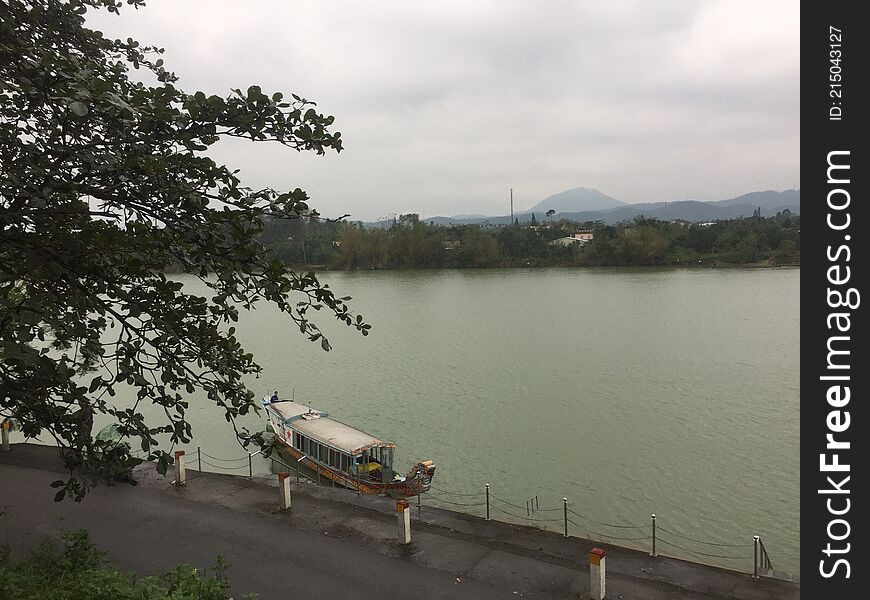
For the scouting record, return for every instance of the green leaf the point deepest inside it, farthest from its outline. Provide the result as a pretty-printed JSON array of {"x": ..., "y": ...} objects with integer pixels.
[
  {"x": 79, "y": 108},
  {"x": 101, "y": 297}
]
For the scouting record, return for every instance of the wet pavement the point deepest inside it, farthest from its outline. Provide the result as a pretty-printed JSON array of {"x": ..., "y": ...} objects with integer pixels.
[{"x": 334, "y": 543}]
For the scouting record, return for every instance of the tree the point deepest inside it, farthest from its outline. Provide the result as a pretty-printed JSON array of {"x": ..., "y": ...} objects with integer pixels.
[{"x": 104, "y": 187}]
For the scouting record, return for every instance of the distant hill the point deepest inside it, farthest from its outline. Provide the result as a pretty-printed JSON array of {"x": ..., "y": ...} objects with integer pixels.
[
  {"x": 770, "y": 202},
  {"x": 768, "y": 199},
  {"x": 688, "y": 210},
  {"x": 578, "y": 199}
]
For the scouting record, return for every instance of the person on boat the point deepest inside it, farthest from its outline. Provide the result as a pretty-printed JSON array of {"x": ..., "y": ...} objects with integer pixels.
[{"x": 274, "y": 397}]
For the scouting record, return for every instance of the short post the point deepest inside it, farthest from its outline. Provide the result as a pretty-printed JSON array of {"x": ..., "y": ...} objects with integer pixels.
[
  {"x": 653, "y": 534},
  {"x": 250, "y": 466},
  {"x": 6, "y": 427},
  {"x": 755, "y": 539},
  {"x": 419, "y": 504},
  {"x": 179, "y": 467},
  {"x": 596, "y": 574},
  {"x": 403, "y": 515},
  {"x": 199, "y": 458},
  {"x": 565, "y": 512},
  {"x": 284, "y": 489},
  {"x": 487, "y": 502}
]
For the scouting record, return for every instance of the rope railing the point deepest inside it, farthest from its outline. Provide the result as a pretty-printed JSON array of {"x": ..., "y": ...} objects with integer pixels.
[
  {"x": 525, "y": 518},
  {"x": 224, "y": 459},
  {"x": 236, "y": 468},
  {"x": 603, "y": 524},
  {"x": 707, "y": 554},
  {"x": 445, "y": 501},
  {"x": 437, "y": 489},
  {"x": 607, "y": 536},
  {"x": 489, "y": 501},
  {"x": 660, "y": 528}
]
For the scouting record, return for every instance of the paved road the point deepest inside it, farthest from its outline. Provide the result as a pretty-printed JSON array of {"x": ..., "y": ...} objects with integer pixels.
[{"x": 334, "y": 544}]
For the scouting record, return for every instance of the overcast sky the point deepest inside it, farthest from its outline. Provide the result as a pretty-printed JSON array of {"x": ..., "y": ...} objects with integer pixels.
[{"x": 446, "y": 105}]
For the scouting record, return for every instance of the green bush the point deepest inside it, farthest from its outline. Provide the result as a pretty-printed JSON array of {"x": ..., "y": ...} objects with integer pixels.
[{"x": 73, "y": 568}]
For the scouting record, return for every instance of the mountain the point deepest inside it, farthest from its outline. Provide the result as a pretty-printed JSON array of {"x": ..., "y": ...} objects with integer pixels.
[
  {"x": 768, "y": 199},
  {"x": 578, "y": 199},
  {"x": 613, "y": 211},
  {"x": 769, "y": 202}
]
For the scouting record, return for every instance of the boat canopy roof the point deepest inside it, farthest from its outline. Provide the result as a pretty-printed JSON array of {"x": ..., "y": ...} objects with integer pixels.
[
  {"x": 291, "y": 411},
  {"x": 319, "y": 426}
]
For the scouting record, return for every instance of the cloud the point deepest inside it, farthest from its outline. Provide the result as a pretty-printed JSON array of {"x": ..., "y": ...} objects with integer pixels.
[{"x": 446, "y": 105}]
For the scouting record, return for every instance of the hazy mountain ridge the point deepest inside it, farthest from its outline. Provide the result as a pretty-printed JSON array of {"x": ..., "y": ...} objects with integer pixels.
[
  {"x": 769, "y": 201},
  {"x": 577, "y": 199}
]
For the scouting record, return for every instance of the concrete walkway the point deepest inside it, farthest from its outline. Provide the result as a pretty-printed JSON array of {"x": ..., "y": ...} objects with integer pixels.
[{"x": 333, "y": 543}]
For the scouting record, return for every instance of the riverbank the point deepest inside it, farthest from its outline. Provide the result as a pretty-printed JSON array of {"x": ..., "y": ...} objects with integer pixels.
[
  {"x": 710, "y": 264},
  {"x": 334, "y": 543}
]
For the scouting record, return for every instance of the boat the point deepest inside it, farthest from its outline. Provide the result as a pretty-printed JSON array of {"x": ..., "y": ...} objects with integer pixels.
[{"x": 343, "y": 454}]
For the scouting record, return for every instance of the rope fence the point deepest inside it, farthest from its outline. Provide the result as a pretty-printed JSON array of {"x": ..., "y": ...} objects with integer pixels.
[
  {"x": 649, "y": 532},
  {"x": 487, "y": 501},
  {"x": 742, "y": 557}
]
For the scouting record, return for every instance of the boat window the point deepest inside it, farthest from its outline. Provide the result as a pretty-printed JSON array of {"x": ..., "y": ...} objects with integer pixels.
[{"x": 344, "y": 462}]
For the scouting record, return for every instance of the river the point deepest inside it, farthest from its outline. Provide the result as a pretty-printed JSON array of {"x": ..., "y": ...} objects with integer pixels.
[{"x": 628, "y": 391}]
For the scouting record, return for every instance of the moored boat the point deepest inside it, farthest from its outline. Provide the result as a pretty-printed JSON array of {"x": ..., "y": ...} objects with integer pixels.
[{"x": 344, "y": 454}]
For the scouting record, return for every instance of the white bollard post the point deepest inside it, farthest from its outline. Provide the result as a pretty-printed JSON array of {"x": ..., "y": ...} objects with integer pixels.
[
  {"x": 403, "y": 515},
  {"x": 6, "y": 427},
  {"x": 179, "y": 467},
  {"x": 284, "y": 487},
  {"x": 596, "y": 574}
]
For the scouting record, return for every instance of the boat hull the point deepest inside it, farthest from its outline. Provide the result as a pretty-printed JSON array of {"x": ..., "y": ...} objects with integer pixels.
[{"x": 418, "y": 480}]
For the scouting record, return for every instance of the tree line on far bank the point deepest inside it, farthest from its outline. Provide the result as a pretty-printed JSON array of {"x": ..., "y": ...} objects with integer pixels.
[{"x": 409, "y": 243}]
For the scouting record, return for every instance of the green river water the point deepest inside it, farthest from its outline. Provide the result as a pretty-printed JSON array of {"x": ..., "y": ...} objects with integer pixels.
[{"x": 628, "y": 391}]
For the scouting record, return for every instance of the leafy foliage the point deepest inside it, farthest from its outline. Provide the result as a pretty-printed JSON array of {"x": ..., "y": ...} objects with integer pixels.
[
  {"x": 104, "y": 187},
  {"x": 409, "y": 243},
  {"x": 75, "y": 568}
]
